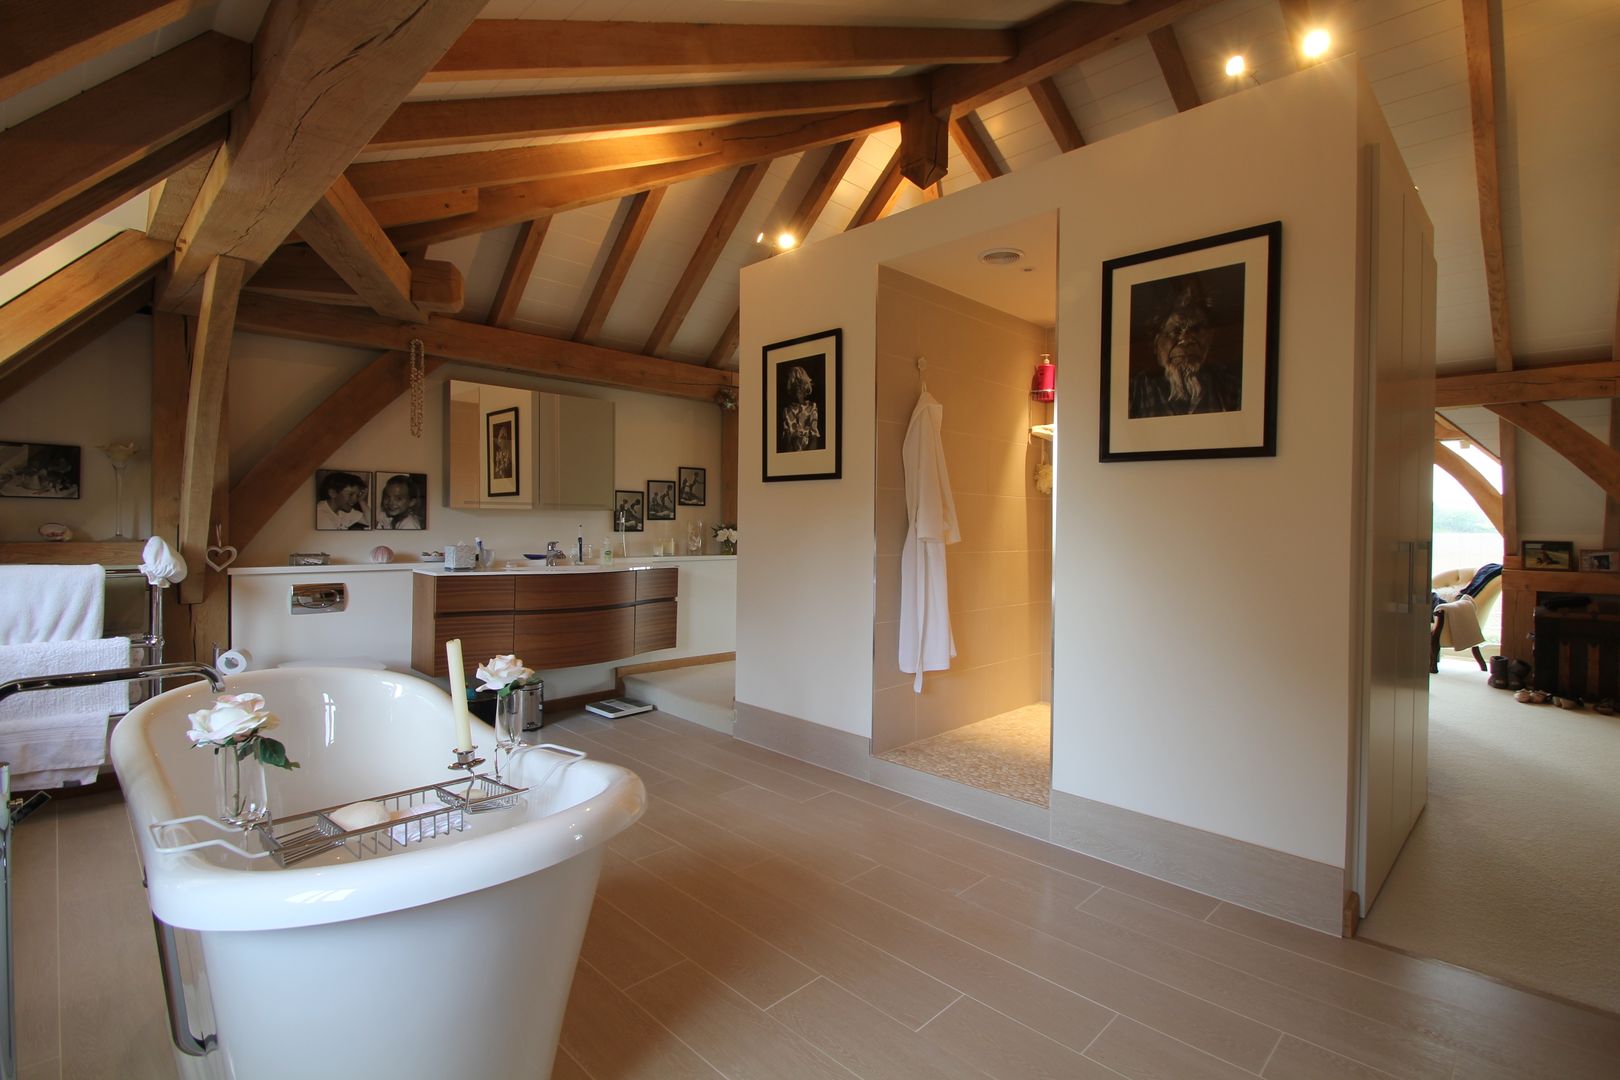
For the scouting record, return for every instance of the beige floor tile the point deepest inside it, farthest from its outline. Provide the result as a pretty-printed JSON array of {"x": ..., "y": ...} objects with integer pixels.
[
  {"x": 109, "y": 971},
  {"x": 754, "y": 968},
  {"x": 804, "y": 770},
  {"x": 760, "y": 775},
  {"x": 639, "y": 753},
  {"x": 614, "y": 1039},
  {"x": 40, "y": 1070},
  {"x": 651, "y": 775},
  {"x": 564, "y": 1067},
  {"x": 639, "y": 728},
  {"x": 732, "y": 1035},
  {"x": 621, "y": 949},
  {"x": 1056, "y": 1013},
  {"x": 863, "y": 1040},
  {"x": 1193, "y": 1020},
  {"x": 1295, "y": 1059},
  {"x": 809, "y": 847},
  {"x": 1141, "y": 1053},
  {"x": 1003, "y": 1048},
  {"x": 638, "y": 840},
  {"x": 882, "y": 980},
  {"x": 722, "y": 845},
  {"x": 34, "y": 910}
]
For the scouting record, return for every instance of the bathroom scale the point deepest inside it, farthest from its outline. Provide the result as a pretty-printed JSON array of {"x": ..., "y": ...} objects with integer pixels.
[{"x": 613, "y": 708}]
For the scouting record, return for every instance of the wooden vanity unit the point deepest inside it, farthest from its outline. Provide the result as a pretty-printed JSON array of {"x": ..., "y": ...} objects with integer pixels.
[{"x": 548, "y": 620}]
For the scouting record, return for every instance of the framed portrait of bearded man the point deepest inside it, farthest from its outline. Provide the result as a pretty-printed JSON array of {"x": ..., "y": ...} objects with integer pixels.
[{"x": 1189, "y": 349}]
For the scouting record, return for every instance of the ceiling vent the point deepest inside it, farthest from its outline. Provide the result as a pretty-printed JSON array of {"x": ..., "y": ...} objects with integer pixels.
[{"x": 1000, "y": 256}]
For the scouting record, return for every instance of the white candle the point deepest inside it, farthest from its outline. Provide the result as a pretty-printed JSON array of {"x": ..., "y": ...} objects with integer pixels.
[{"x": 458, "y": 695}]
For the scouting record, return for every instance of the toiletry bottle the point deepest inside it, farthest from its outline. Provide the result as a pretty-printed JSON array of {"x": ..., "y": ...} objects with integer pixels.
[
  {"x": 579, "y": 548},
  {"x": 607, "y": 551},
  {"x": 479, "y": 562}
]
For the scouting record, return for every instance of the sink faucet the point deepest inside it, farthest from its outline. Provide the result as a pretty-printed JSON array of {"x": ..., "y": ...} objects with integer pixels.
[
  {"x": 129, "y": 674},
  {"x": 554, "y": 553}
]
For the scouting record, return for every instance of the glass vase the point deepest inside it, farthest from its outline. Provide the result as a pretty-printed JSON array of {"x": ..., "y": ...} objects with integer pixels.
[
  {"x": 728, "y": 547},
  {"x": 515, "y": 713},
  {"x": 240, "y": 788}
]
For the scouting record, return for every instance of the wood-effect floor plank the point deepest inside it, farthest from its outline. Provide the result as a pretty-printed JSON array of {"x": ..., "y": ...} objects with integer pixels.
[
  {"x": 866, "y": 1042},
  {"x": 622, "y": 950},
  {"x": 613, "y": 1038},
  {"x": 1141, "y": 1053},
  {"x": 1001, "y": 1047},
  {"x": 1296, "y": 1059}
]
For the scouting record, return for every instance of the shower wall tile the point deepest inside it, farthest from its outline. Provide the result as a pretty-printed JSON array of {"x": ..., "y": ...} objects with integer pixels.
[
  {"x": 893, "y": 722},
  {"x": 886, "y": 656},
  {"x": 891, "y": 521},
  {"x": 896, "y": 388},
  {"x": 887, "y": 584},
  {"x": 891, "y": 471}
]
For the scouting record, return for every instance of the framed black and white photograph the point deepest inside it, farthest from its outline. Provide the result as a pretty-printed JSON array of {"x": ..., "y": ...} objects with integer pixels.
[
  {"x": 342, "y": 499},
  {"x": 694, "y": 486},
  {"x": 39, "y": 471},
  {"x": 401, "y": 499},
  {"x": 629, "y": 511},
  {"x": 501, "y": 452},
  {"x": 803, "y": 415},
  {"x": 1189, "y": 349},
  {"x": 1548, "y": 554},
  {"x": 1600, "y": 561},
  {"x": 660, "y": 500}
]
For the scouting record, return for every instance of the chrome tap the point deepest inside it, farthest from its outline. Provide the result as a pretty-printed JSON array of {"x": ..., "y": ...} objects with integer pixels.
[
  {"x": 129, "y": 674},
  {"x": 555, "y": 556}
]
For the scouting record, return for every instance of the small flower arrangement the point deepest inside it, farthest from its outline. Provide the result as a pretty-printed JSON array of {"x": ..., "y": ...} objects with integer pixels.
[
  {"x": 503, "y": 674},
  {"x": 726, "y": 535},
  {"x": 239, "y": 721},
  {"x": 120, "y": 453}
]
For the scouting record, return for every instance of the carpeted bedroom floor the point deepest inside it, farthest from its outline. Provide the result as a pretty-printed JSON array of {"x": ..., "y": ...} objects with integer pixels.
[{"x": 1514, "y": 868}]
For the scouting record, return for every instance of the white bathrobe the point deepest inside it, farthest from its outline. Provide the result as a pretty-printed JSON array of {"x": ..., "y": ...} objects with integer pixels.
[{"x": 925, "y": 614}]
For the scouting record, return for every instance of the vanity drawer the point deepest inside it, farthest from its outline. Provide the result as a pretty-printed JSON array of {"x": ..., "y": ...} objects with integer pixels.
[
  {"x": 482, "y": 636},
  {"x": 491, "y": 593},
  {"x": 655, "y": 625},
  {"x": 557, "y": 592},
  {"x": 659, "y": 584},
  {"x": 565, "y": 638}
]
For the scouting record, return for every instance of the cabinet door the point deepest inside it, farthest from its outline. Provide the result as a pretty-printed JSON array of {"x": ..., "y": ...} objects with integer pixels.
[
  {"x": 564, "y": 638},
  {"x": 482, "y": 636},
  {"x": 562, "y": 592},
  {"x": 656, "y": 625}
]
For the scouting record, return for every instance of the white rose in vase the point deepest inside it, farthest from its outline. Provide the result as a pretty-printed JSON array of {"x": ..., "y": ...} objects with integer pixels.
[
  {"x": 231, "y": 719},
  {"x": 501, "y": 673}
]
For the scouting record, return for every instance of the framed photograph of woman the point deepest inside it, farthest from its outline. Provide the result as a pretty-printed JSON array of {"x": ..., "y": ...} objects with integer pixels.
[
  {"x": 501, "y": 451},
  {"x": 694, "y": 486},
  {"x": 803, "y": 432},
  {"x": 629, "y": 511},
  {"x": 660, "y": 500},
  {"x": 401, "y": 500}
]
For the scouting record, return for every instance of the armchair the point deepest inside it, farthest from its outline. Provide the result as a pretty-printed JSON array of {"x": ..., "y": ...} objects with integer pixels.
[{"x": 1485, "y": 600}]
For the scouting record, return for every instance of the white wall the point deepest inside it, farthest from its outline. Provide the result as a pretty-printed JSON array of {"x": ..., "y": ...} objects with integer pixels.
[{"x": 1201, "y": 620}]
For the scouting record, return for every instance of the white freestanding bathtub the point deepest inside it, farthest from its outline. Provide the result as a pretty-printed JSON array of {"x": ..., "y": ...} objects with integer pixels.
[{"x": 451, "y": 957}]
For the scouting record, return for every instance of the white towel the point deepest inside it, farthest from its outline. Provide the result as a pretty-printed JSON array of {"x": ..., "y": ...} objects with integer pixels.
[
  {"x": 162, "y": 565},
  {"x": 55, "y": 736},
  {"x": 50, "y": 603},
  {"x": 1462, "y": 619}
]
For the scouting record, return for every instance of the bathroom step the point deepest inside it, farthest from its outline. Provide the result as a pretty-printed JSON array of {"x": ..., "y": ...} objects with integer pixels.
[{"x": 704, "y": 694}]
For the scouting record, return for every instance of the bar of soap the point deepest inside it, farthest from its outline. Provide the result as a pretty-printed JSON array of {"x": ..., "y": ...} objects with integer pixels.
[{"x": 359, "y": 815}]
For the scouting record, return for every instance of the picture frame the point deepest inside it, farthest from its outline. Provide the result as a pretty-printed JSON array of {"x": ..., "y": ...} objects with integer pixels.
[
  {"x": 1189, "y": 349},
  {"x": 661, "y": 500},
  {"x": 629, "y": 511},
  {"x": 1547, "y": 554},
  {"x": 502, "y": 453},
  {"x": 401, "y": 500},
  {"x": 693, "y": 486},
  {"x": 40, "y": 471},
  {"x": 1606, "y": 561},
  {"x": 343, "y": 500},
  {"x": 802, "y": 429}
]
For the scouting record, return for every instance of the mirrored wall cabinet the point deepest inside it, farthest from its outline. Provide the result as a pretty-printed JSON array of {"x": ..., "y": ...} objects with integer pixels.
[{"x": 512, "y": 449}]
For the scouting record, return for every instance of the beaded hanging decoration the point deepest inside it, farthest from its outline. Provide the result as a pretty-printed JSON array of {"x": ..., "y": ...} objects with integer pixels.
[{"x": 418, "y": 379}]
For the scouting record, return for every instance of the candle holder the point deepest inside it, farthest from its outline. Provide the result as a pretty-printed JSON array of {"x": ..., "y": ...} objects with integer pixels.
[{"x": 465, "y": 761}]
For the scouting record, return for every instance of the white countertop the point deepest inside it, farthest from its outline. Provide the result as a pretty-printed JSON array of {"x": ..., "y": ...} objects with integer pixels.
[{"x": 634, "y": 562}]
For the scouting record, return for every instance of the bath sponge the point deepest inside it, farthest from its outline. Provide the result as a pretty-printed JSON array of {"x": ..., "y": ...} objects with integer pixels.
[{"x": 360, "y": 815}]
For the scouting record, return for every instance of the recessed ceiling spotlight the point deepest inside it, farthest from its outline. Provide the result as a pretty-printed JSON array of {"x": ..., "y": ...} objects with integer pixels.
[
  {"x": 1236, "y": 66},
  {"x": 785, "y": 240},
  {"x": 1316, "y": 43},
  {"x": 1000, "y": 256},
  {"x": 760, "y": 239}
]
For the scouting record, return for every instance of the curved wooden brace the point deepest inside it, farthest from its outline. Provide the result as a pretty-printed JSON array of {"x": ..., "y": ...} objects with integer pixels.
[
  {"x": 1479, "y": 489},
  {"x": 1584, "y": 450}
]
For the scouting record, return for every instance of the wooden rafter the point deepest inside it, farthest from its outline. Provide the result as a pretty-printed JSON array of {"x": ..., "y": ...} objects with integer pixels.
[
  {"x": 1173, "y": 65},
  {"x": 519, "y": 265},
  {"x": 326, "y": 76},
  {"x": 534, "y": 48},
  {"x": 1588, "y": 453},
  {"x": 28, "y": 367},
  {"x": 1479, "y": 489},
  {"x": 882, "y": 194},
  {"x": 483, "y": 346},
  {"x": 1061, "y": 38},
  {"x": 976, "y": 146},
  {"x": 924, "y": 149},
  {"x": 1445, "y": 430},
  {"x": 757, "y": 140},
  {"x": 296, "y": 272},
  {"x": 458, "y": 122},
  {"x": 342, "y": 232},
  {"x": 414, "y": 209},
  {"x": 1055, "y": 111},
  {"x": 210, "y": 363},
  {"x": 282, "y": 472},
  {"x": 638, "y": 218},
  {"x": 171, "y": 200},
  {"x": 1481, "y": 59},
  {"x": 45, "y": 37},
  {"x": 1562, "y": 382},
  {"x": 714, "y": 240}
]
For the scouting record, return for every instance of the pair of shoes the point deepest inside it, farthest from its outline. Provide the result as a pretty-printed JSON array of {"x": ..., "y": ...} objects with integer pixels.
[
  {"x": 1568, "y": 702},
  {"x": 1606, "y": 706},
  {"x": 1533, "y": 697}
]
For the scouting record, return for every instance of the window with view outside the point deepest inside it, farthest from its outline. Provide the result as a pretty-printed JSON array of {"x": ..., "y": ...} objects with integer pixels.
[{"x": 1463, "y": 536}]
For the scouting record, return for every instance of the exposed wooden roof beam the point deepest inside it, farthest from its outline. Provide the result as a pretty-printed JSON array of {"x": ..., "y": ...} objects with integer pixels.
[
  {"x": 924, "y": 150},
  {"x": 419, "y": 124},
  {"x": 1173, "y": 65},
  {"x": 882, "y": 194},
  {"x": 172, "y": 199},
  {"x": 976, "y": 146},
  {"x": 414, "y": 209},
  {"x": 638, "y": 218},
  {"x": 193, "y": 148},
  {"x": 78, "y": 290},
  {"x": 534, "y": 48},
  {"x": 1061, "y": 38},
  {"x": 205, "y": 407},
  {"x": 29, "y": 366},
  {"x": 342, "y": 231},
  {"x": 1481, "y": 58},
  {"x": 1446, "y": 430},
  {"x": 46, "y": 37},
  {"x": 1580, "y": 448},
  {"x": 1055, "y": 111},
  {"x": 519, "y": 265},
  {"x": 296, "y": 272},
  {"x": 1563, "y": 382},
  {"x": 487, "y": 168},
  {"x": 90, "y": 138},
  {"x": 326, "y": 76},
  {"x": 714, "y": 240},
  {"x": 484, "y": 346},
  {"x": 283, "y": 472},
  {"x": 1479, "y": 489},
  {"x": 744, "y": 144}
]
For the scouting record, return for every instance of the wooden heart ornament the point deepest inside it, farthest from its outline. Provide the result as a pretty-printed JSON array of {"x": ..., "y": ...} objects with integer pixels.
[{"x": 218, "y": 558}]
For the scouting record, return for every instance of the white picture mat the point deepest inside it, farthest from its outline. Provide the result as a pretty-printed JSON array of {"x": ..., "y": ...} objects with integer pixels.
[{"x": 804, "y": 462}]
